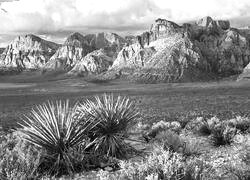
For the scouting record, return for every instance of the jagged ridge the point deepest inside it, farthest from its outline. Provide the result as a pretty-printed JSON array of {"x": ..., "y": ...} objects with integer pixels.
[
  {"x": 170, "y": 53},
  {"x": 27, "y": 52}
]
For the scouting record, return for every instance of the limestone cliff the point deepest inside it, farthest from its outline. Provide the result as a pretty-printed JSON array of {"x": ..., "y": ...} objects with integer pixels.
[
  {"x": 27, "y": 52},
  {"x": 77, "y": 46},
  {"x": 74, "y": 48},
  {"x": 93, "y": 63},
  {"x": 169, "y": 52}
]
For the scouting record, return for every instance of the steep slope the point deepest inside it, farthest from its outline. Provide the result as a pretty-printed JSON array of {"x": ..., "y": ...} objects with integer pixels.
[
  {"x": 111, "y": 42},
  {"x": 77, "y": 46},
  {"x": 171, "y": 53},
  {"x": 27, "y": 52},
  {"x": 225, "y": 49},
  {"x": 93, "y": 63},
  {"x": 74, "y": 48},
  {"x": 246, "y": 72}
]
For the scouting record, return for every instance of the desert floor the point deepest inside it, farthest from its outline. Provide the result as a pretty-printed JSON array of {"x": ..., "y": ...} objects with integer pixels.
[{"x": 18, "y": 94}]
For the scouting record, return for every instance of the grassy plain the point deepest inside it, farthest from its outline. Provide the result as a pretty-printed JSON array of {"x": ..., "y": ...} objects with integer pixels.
[{"x": 18, "y": 94}]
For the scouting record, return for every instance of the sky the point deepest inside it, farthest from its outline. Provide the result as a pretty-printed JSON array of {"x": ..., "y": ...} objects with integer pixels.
[{"x": 55, "y": 19}]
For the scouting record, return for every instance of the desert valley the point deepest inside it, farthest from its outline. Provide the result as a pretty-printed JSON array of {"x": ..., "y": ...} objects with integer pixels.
[{"x": 185, "y": 112}]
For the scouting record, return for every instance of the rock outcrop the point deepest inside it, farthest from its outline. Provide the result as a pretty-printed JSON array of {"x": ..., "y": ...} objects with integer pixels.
[
  {"x": 74, "y": 48},
  {"x": 95, "y": 62},
  {"x": 27, "y": 52},
  {"x": 77, "y": 46},
  {"x": 169, "y": 52}
]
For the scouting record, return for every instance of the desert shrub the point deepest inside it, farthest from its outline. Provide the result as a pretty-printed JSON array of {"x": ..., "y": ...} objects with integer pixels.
[
  {"x": 170, "y": 140},
  {"x": 54, "y": 128},
  {"x": 240, "y": 123},
  {"x": 175, "y": 143},
  {"x": 223, "y": 134},
  {"x": 97, "y": 79},
  {"x": 203, "y": 126},
  {"x": 184, "y": 120},
  {"x": 160, "y": 164},
  {"x": 192, "y": 146},
  {"x": 196, "y": 124},
  {"x": 191, "y": 116},
  {"x": 18, "y": 158},
  {"x": 208, "y": 125},
  {"x": 115, "y": 118},
  {"x": 198, "y": 169},
  {"x": 230, "y": 164},
  {"x": 10, "y": 71},
  {"x": 162, "y": 126}
]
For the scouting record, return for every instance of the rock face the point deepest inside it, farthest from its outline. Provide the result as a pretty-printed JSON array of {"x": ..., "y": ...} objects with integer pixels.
[
  {"x": 74, "y": 48},
  {"x": 170, "y": 53},
  {"x": 77, "y": 46},
  {"x": 93, "y": 63},
  {"x": 27, "y": 52},
  {"x": 1, "y": 50}
]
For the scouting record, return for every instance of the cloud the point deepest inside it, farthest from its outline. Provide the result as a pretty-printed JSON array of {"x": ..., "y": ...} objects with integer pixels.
[{"x": 48, "y": 17}]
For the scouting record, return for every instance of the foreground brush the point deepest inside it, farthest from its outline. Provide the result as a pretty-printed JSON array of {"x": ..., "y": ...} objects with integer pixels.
[
  {"x": 115, "y": 116},
  {"x": 54, "y": 128}
]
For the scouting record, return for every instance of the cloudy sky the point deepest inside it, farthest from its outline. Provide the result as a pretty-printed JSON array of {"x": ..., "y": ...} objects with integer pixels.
[{"x": 55, "y": 19}]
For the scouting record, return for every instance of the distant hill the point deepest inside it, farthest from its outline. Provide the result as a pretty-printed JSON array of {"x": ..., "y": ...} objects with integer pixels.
[
  {"x": 77, "y": 46},
  {"x": 27, "y": 52},
  {"x": 172, "y": 53},
  {"x": 167, "y": 52}
]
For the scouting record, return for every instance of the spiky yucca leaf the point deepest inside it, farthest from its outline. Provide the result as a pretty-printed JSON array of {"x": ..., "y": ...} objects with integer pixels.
[
  {"x": 54, "y": 127},
  {"x": 114, "y": 117}
]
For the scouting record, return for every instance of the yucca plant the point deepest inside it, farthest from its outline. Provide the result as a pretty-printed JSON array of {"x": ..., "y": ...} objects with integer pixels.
[
  {"x": 115, "y": 117},
  {"x": 54, "y": 127}
]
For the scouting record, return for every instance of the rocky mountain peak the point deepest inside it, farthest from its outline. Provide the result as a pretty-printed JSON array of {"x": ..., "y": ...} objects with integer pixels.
[
  {"x": 77, "y": 46},
  {"x": 162, "y": 28},
  {"x": 170, "y": 52},
  {"x": 107, "y": 39},
  {"x": 28, "y": 52},
  {"x": 163, "y": 24},
  {"x": 76, "y": 39},
  {"x": 205, "y": 21},
  {"x": 208, "y": 22}
]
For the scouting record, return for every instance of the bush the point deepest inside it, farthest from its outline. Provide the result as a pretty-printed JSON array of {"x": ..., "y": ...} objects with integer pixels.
[
  {"x": 175, "y": 143},
  {"x": 231, "y": 164},
  {"x": 203, "y": 126},
  {"x": 171, "y": 141},
  {"x": 223, "y": 134},
  {"x": 114, "y": 118},
  {"x": 18, "y": 158},
  {"x": 160, "y": 164},
  {"x": 160, "y": 127},
  {"x": 199, "y": 169},
  {"x": 54, "y": 128},
  {"x": 240, "y": 123}
]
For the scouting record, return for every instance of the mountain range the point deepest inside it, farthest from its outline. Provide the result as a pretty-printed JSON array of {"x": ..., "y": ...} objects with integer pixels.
[{"x": 167, "y": 52}]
